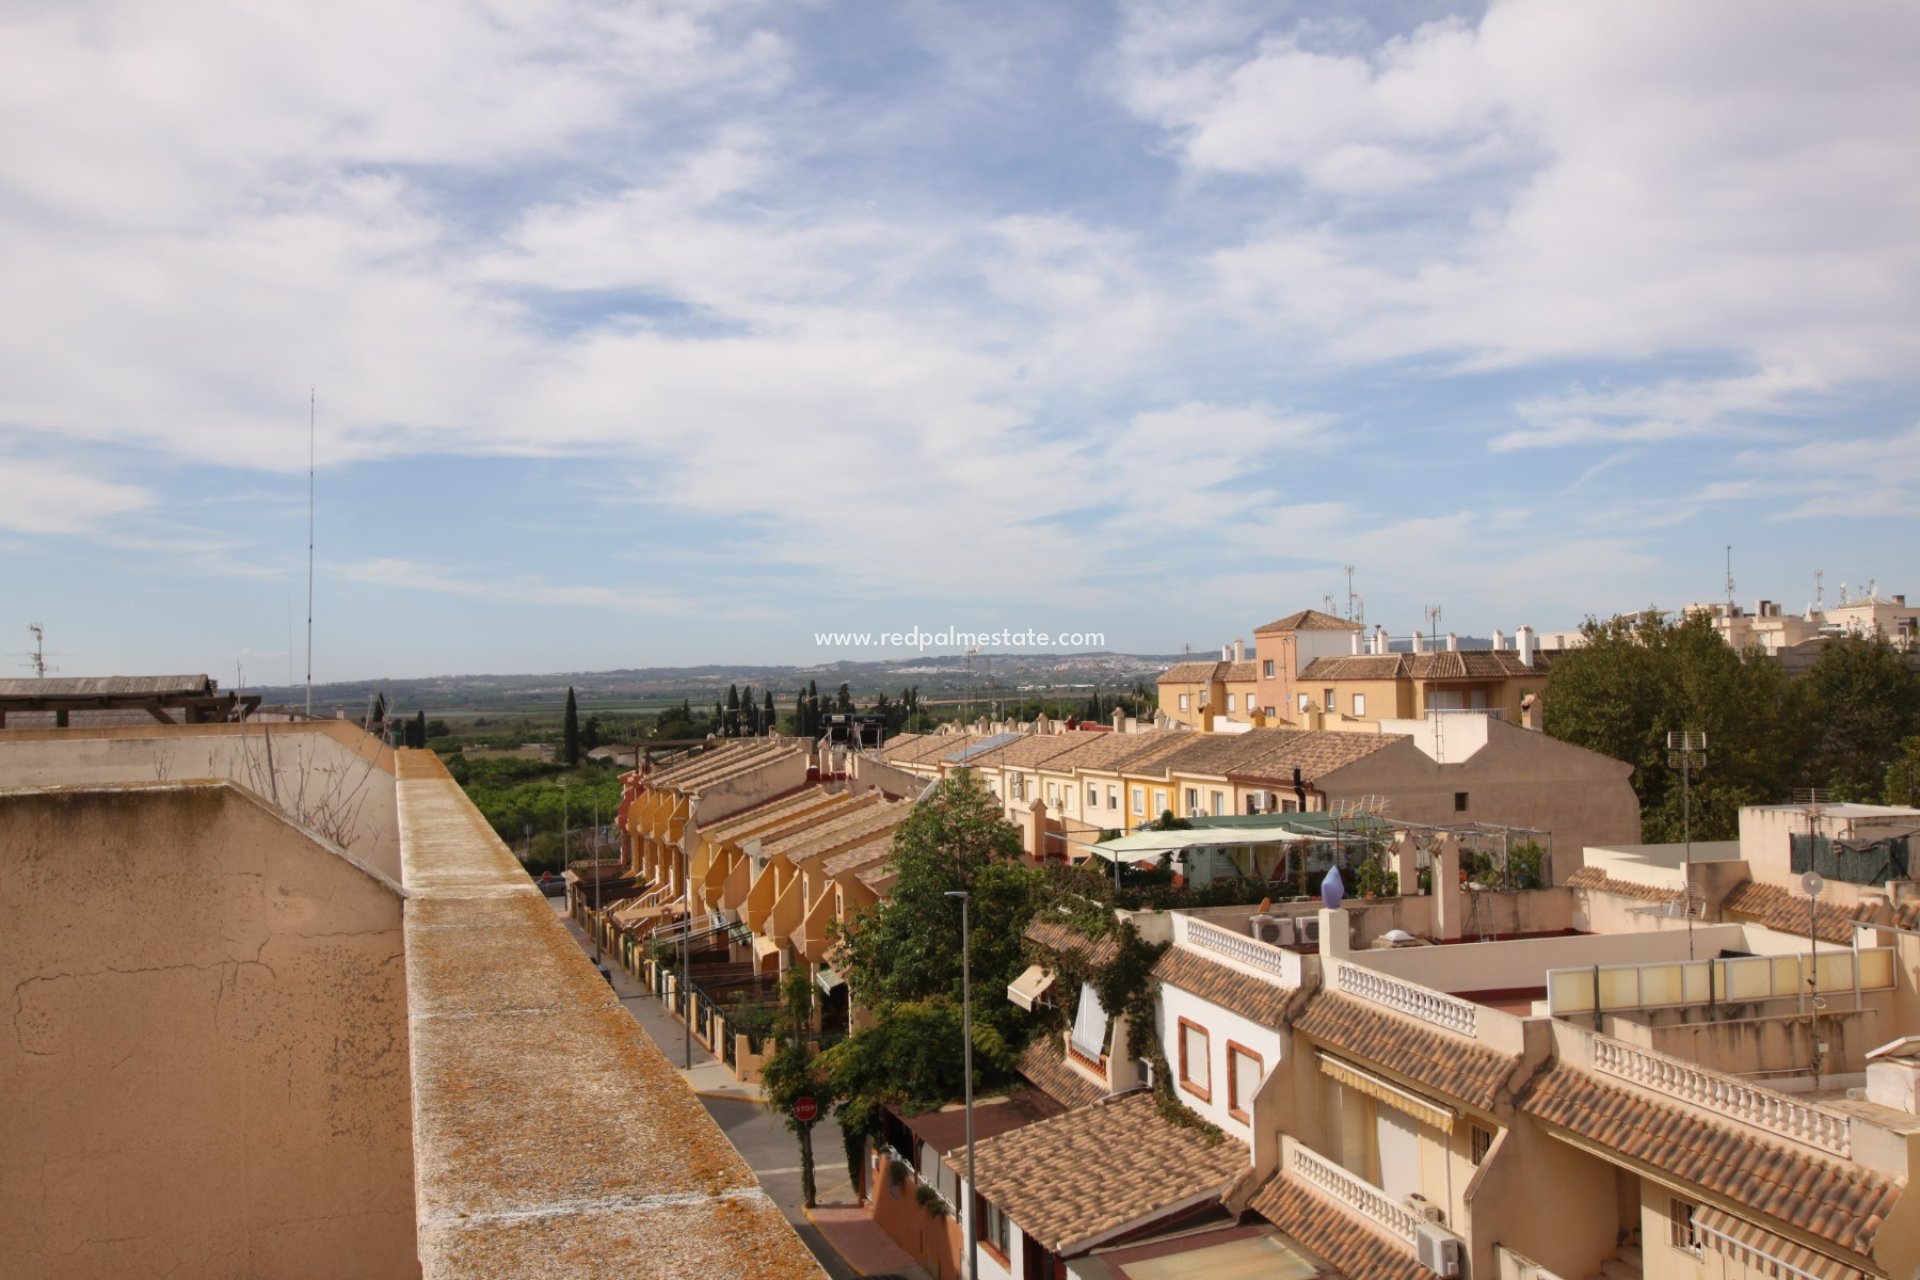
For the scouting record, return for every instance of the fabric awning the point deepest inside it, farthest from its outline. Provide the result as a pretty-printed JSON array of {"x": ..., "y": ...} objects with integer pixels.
[
  {"x": 1145, "y": 845},
  {"x": 1748, "y": 1243},
  {"x": 829, "y": 978},
  {"x": 1032, "y": 984},
  {"x": 763, "y": 946},
  {"x": 1422, "y": 1109}
]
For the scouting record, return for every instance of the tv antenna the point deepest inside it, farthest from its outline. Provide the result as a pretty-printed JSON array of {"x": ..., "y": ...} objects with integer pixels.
[
  {"x": 1356, "y": 607},
  {"x": 1687, "y": 751},
  {"x": 1819, "y": 591},
  {"x": 1433, "y": 623},
  {"x": 1729, "y": 580},
  {"x": 38, "y": 658},
  {"x": 311, "y": 402}
]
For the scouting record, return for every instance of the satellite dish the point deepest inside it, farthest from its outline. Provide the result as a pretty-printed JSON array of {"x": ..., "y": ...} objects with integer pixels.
[{"x": 1812, "y": 883}]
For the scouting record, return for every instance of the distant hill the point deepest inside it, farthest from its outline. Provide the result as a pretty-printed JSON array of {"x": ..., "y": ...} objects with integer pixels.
[{"x": 937, "y": 675}]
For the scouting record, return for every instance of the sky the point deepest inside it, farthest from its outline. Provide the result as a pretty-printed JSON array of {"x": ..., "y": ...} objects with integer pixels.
[{"x": 669, "y": 332}]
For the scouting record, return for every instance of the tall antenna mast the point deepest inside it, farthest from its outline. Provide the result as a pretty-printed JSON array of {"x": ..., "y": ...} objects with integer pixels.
[
  {"x": 1433, "y": 622},
  {"x": 1819, "y": 591},
  {"x": 1350, "y": 617},
  {"x": 311, "y": 400},
  {"x": 39, "y": 657},
  {"x": 1729, "y": 581}
]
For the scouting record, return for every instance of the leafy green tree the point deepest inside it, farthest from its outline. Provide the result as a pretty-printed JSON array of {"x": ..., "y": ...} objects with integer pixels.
[
  {"x": 792, "y": 1072},
  {"x": 590, "y": 733},
  {"x": 570, "y": 731},
  {"x": 438, "y": 729},
  {"x": 843, "y": 700},
  {"x": 1863, "y": 700},
  {"x": 1903, "y": 775},
  {"x": 1633, "y": 683}
]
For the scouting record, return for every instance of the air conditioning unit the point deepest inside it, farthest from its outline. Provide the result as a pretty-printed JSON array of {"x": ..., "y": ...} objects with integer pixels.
[
  {"x": 1438, "y": 1249},
  {"x": 1307, "y": 929},
  {"x": 1276, "y": 930},
  {"x": 1424, "y": 1209}
]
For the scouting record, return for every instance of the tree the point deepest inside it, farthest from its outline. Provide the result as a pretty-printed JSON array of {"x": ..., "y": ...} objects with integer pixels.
[
  {"x": 1632, "y": 683},
  {"x": 843, "y": 700},
  {"x": 791, "y": 1072},
  {"x": 438, "y": 729},
  {"x": 570, "y": 731},
  {"x": 730, "y": 723},
  {"x": 1903, "y": 775},
  {"x": 590, "y": 733},
  {"x": 768, "y": 716},
  {"x": 1863, "y": 700},
  {"x": 417, "y": 730}
]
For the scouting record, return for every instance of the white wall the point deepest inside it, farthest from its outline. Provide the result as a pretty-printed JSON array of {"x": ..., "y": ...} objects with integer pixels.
[
  {"x": 1489, "y": 966},
  {"x": 1221, "y": 1025}
]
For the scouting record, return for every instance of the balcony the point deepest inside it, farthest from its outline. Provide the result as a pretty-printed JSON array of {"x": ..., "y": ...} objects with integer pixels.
[{"x": 1356, "y": 1195}]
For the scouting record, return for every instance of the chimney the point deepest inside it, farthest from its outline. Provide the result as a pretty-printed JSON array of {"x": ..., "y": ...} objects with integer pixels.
[
  {"x": 1453, "y": 642},
  {"x": 1119, "y": 720},
  {"x": 1524, "y": 639},
  {"x": 1419, "y": 642},
  {"x": 1356, "y": 642},
  {"x": 1530, "y": 712},
  {"x": 1239, "y": 650},
  {"x": 1379, "y": 638},
  {"x": 1226, "y": 653},
  {"x": 1499, "y": 641}
]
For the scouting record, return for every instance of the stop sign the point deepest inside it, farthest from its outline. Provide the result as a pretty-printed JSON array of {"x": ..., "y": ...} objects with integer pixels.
[{"x": 805, "y": 1110}]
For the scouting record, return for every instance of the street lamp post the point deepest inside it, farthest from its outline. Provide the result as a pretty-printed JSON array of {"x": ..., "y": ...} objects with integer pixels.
[{"x": 966, "y": 1032}]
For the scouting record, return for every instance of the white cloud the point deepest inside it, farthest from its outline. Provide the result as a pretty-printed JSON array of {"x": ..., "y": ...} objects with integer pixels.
[{"x": 43, "y": 497}]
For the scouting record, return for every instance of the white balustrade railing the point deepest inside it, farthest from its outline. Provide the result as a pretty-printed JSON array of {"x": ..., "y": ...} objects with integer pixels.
[
  {"x": 1728, "y": 1095},
  {"x": 1362, "y": 1197},
  {"x": 1424, "y": 1003},
  {"x": 1283, "y": 965}
]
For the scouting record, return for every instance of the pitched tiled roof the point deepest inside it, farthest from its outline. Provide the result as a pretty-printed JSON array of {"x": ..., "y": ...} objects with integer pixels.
[
  {"x": 1837, "y": 1201},
  {"x": 1597, "y": 879},
  {"x": 1309, "y": 620},
  {"x": 1044, "y": 1064},
  {"x": 1069, "y": 941},
  {"x": 1776, "y": 908},
  {"x": 1266, "y": 753},
  {"x": 1188, "y": 673},
  {"x": 1100, "y": 1168},
  {"x": 1465, "y": 664},
  {"x": 1346, "y": 1242},
  {"x": 776, "y": 815},
  {"x": 923, "y": 748},
  {"x": 1266, "y": 1003},
  {"x": 1429, "y": 1058},
  {"x": 860, "y": 856},
  {"x": 1027, "y": 751}
]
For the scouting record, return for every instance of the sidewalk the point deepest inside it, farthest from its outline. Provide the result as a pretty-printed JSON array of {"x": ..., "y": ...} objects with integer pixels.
[{"x": 846, "y": 1241}]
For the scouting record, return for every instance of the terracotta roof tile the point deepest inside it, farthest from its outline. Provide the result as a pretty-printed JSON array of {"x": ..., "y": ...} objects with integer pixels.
[
  {"x": 1777, "y": 908},
  {"x": 1837, "y": 1201},
  {"x": 860, "y": 856},
  {"x": 1044, "y": 1064},
  {"x": 924, "y": 748},
  {"x": 1343, "y": 1240},
  {"x": 1309, "y": 620},
  {"x": 1069, "y": 941},
  {"x": 1597, "y": 880},
  {"x": 1470, "y": 664},
  {"x": 1027, "y": 751},
  {"x": 1432, "y": 1059},
  {"x": 1255, "y": 999},
  {"x": 1189, "y": 673},
  {"x": 1100, "y": 1168}
]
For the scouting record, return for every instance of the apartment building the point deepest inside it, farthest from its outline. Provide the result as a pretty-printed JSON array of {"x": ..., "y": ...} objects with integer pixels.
[
  {"x": 1208, "y": 695},
  {"x": 1663, "y": 1098},
  {"x": 1287, "y": 647}
]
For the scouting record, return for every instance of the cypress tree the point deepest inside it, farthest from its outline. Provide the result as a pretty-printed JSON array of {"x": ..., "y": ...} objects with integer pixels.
[
  {"x": 767, "y": 716},
  {"x": 730, "y": 723},
  {"x": 570, "y": 731},
  {"x": 417, "y": 731}
]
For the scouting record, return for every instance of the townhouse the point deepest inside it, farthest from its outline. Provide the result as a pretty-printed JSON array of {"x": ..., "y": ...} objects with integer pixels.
[{"x": 1204, "y": 695}]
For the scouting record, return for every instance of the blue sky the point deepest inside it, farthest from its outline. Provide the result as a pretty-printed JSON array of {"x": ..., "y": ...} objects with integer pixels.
[{"x": 659, "y": 333}]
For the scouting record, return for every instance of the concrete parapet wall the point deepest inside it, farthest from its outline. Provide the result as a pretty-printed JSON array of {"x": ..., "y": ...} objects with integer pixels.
[
  {"x": 205, "y": 1047},
  {"x": 552, "y": 1139}
]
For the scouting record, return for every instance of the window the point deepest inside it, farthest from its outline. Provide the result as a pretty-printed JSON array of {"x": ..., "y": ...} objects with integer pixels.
[
  {"x": 1684, "y": 1235},
  {"x": 1183, "y": 701},
  {"x": 1359, "y": 704},
  {"x": 993, "y": 1227},
  {"x": 1093, "y": 797},
  {"x": 1016, "y": 787},
  {"x": 1266, "y": 669},
  {"x": 1159, "y": 803},
  {"x": 1244, "y": 1069},
  {"x": 1113, "y": 797},
  {"x": 1230, "y": 698},
  {"x": 1479, "y": 1142},
  {"x": 937, "y": 1173},
  {"x": 1053, "y": 794},
  {"x": 1306, "y": 701},
  {"x": 1193, "y": 801},
  {"x": 1269, "y": 713},
  {"x": 1219, "y": 803},
  {"x": 1196, "y": 1075},
  {"x": 1139, "y": 800},
  {"x": 1327, "y": 700},
  {"x": 1089, "y": 1037},
  {"x": 1459, "y": 802}
]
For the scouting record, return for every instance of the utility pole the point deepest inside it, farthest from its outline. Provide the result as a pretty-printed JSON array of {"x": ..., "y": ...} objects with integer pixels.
[
  {"x": 1687, "y": 751},
  {"x": 966, "y": 1031}
]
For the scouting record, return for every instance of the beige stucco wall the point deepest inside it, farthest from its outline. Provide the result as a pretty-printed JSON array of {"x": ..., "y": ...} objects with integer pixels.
[
  {"x": 327, "y": 775},
  {"x": 206, "y": 1051}
]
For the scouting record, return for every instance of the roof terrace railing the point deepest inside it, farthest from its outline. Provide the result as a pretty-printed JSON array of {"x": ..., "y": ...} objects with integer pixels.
[
  {"x": 1355, "y": 1194},
  {"x": 1437, "y": 1007},
  {"x": 1283, "y": 965},
  {"x": 1728, "y": 1095}
]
